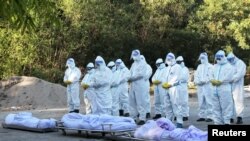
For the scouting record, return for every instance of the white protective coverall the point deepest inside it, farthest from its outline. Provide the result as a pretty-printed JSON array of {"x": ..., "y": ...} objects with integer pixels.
[
  {"x": 72, "y": 75},
  {"x": 222, "y": 97},
  {"x": 173, "y": 101},
  {"x": 114, "y": 88},
  {"x": 183, "y": 86},
  {"x": 149, "y": 72},
  {"x": 238, "y": 84},
  {"x": 202, "y": 78},
  {"x": 89, "y": 93},
  {"x": 138, "y": 88},
  {"x": 102, "y": 85},
  {"x": 159, "y": 92},
  {"x": 124, "y": 75}
]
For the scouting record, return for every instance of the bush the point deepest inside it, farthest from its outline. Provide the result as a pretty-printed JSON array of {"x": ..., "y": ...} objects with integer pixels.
[{"x": 53, "y": 75}]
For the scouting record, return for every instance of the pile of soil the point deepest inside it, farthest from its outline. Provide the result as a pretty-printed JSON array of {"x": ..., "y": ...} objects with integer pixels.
[{"x": 21, "y": 92}]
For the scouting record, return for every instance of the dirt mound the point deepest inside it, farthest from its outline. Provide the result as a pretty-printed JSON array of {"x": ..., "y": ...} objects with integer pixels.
[{"x": 31, "y": 93}]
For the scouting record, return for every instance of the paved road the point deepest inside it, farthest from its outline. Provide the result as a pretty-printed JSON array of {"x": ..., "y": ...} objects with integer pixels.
[{"x": 16, "y": 135}]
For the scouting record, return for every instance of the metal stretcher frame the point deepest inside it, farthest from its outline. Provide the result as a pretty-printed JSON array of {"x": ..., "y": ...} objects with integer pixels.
[
  {"x": 114, "y": 134},
  {"x": 18, "y": 127}
]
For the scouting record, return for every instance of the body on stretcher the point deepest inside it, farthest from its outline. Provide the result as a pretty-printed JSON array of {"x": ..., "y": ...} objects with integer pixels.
[
  {"x": 106, "y": 130},
  {"x": 25, "y": 121},
  {"x": 19, "y": 127}
]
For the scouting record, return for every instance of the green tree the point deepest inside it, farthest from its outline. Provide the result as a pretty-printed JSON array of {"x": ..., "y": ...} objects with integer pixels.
[
  {"x": 26, "y": 14},
  {"x": 227, "y": 22}
]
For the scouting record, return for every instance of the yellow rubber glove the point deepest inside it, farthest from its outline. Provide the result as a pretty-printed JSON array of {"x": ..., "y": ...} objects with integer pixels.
[
  {"x": 166, "y": 85},
  {"x": 67, "y": 82},
  {"x": 85, "y": 86},
  {"x": 215, "y": 82},
  {"x": 156, "y": 82}
]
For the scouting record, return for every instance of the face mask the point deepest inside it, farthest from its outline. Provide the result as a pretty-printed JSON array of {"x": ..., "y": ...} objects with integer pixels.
[
  {"x": 136, "y": 58},
  {"x": 71, "y": 66},
  {"x": 218, "y": 57},
  {"x": 169, "y": 60},
  {"x": 161, "y": 66},
  {"x": 203, "y": 61},
  {"x": 219, "y": 62},
  {"x": 168, "y": 63},
  {"x": 231, "y": 60},
  {"x": 98, "y": 64},
  {"x": 118, "y": 64}
]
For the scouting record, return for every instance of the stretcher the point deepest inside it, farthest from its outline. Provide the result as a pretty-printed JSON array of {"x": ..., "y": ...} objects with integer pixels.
[
  {"x": 106, "y": 132},
  {"x": 18, "y": 127}
]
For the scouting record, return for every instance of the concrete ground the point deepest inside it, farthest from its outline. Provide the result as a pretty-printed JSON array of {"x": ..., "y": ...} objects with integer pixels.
[{"x": 17, "y": 135}]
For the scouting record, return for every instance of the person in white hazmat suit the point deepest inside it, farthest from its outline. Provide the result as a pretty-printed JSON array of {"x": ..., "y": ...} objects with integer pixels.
[
  {"x": 202, "y": 78},
  {"x": 89, "y": 92},
  {"x": 71, "y": 78},
  {"x": 222, "y": 96},
  {"x": 114, "y": 88},
  {"x": 124, "y": 75},
  {"x": 184, "y": 87},
  {"x": 173, "y": 98},
  {"x": 238, "y": 85},
  {"x": 159, "y": 92},
  {"x": 101, "y": 83},
  {"x": 149, "y": 72},
  {"x": 138, "y": 89}
]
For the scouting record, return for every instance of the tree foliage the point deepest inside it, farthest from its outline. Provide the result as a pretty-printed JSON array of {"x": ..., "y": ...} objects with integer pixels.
[
  {"x": 225, "y": 20},
  {"x": 37, "y": 36}
]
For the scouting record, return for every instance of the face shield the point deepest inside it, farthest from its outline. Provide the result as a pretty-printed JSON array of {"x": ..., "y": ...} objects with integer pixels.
[
  {"x": 70, "y": 63},
  {"x": 135, "y": 55},
  {"x": 98, "y": 64},
  {"x": 89, "y": 68},
  {"x": 111, "y": 67},
  {"x": 179, "y": 62},
  {"x": 231, "y": 60},
  {"x": 219, "y": 57},
  {"x": 203, "y": 58},
  {"x": 118, "y": 64},
  {"x": 169, "y": 59},
  {"x": 158, "y": 64}
]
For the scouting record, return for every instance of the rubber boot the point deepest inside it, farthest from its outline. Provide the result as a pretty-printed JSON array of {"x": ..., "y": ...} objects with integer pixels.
[
  {"x": 239, "y": 120},
  {"x": 121, "y": 112},
  {"x": 157, "y": 116}
]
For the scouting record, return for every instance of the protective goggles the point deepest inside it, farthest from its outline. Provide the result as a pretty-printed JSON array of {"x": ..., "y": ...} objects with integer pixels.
[
  {"x": 170, "y": 57},
  {"x": 69, "y": 62},
  {"x": 219, "y": 57},
  {"x": 179, "y": 62},
  {"x": 158, "y": 64},
  {"x": 231, "y": 59},
  {"x": 118, "y": 63},
  {"x": 90, "y": 68},
  {"x": 110, "y": 67},
  {"x": 135, "y": 53},
  {"x": 203, "y": 56},
  {"x": 98, "y": 62}
]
